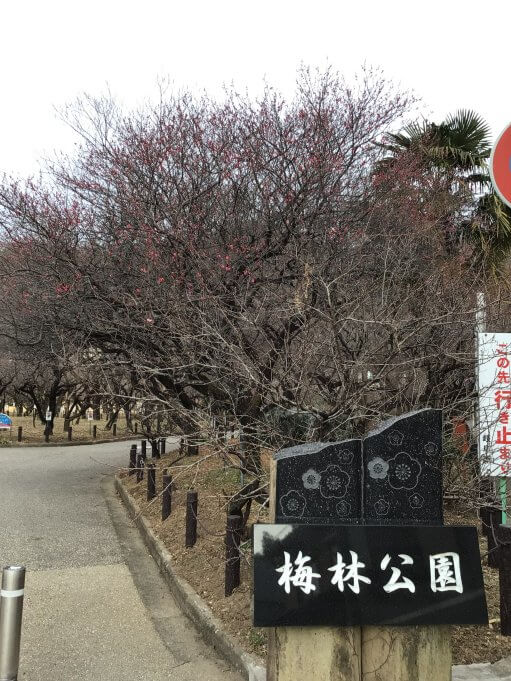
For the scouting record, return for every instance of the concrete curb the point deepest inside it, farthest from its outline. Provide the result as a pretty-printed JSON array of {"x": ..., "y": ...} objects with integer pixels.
[{"x": 190, "y": 603}]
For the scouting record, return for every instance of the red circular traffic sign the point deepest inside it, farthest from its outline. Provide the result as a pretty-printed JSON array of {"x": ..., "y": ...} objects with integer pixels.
[{"x": 500, "y": 165}]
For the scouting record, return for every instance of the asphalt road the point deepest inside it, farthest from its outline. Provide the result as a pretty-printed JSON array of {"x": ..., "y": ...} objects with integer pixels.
[{"x": 95, "y": 607}]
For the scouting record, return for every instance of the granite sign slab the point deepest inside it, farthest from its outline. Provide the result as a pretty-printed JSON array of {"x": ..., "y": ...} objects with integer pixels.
[
  {"x": 351, "y": 575},
  {"x": 320, "y": 483},
  {"x": 403, "y": 470},
  {"x": 392, "y": 476}
]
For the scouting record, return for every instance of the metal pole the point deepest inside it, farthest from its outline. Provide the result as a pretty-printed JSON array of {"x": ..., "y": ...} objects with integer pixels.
[
  {"x": 480, "y": 327},
  {"x": 11, "y": 608}
]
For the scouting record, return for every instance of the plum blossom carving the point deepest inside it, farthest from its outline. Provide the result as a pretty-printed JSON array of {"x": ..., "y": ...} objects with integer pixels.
[
  {"x": 345, "y": 457},
  {"x": 343, "y": 508},
  {"x": 311, "y": 479},
  {"x": 382, "y": 507},
  {"x": 334, "y": 482},
  {"x": 430, "y": 448},
  {"x": 416, "y": 500},
  {"x": 378, "y": 468},
  {"x": 293, "y": 504},
  {"x": 404, "y": 471},
  {"x": 395, "y": 437}
]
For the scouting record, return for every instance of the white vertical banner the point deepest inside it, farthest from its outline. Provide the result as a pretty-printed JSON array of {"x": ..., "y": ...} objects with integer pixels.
[{"x": 494, "y": 371}]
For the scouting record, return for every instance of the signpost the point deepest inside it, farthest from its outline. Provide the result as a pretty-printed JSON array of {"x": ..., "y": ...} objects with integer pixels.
[
  {"x": 5, "y": 422},
  {"x": 494, "y": 450},
  {"x": 358, "y": 577},
  {"x": 500, "y": 165},
  {"x": 494, "y": 379}
]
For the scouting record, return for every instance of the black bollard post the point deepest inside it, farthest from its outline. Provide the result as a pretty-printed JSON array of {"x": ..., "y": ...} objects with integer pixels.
[
  {"x": 20, "y": 433},
  {"x": 151, "y": 481},
  {"x": 163, "y": 443},
  {"x": 495, "y": 516},
  {"x": 232, "y": 553},
  {"x": 504, "y": 540},
  {"x": 155, "y": 449},
  {"x": 136, "y": 427},
  {"x": 193, "y": 449},
  {"x": 94, "y": 431},
  {"x": 166, "y": 498},
  {"x": 484, "y": 516},
  {"x": 70, "y": 433},
  {"x": 133, "y": 459},
  {"x": 191, "y": 518},
  {"x": 143, "y": 444},
  {"x": 140, "y": 467},
  {"x": 114, "y": 429}
]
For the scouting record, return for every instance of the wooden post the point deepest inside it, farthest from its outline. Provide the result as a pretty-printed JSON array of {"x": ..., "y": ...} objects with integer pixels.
[
  {"x": 114, "y": 429},
  {"x": 151, "y": 481},
  {"x": 504, "y": 539},
  {"x": 193, "y": 449},
  {"x": 166, "y": 497},
  {"x": 70, "y": 433},
  {"x": 140, "y": 467},
  {"x": 133, "y": 459},
  {"x": 232, "y": 553},
  {"x": 136, "y": 427},
  {"x": 94, "y": 431},
  {"x": 143, "y": 445},
  {"x": 319, "y": 653},
  {"x": 484, "y": 515},
  {"x": 494, "y": 517},
  {"x": 191, "y": 518},
  {"x": 20, "y": 433}
]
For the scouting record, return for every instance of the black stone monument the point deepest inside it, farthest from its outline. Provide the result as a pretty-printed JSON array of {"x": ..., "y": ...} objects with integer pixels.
[
  {"x": 392, "y": 476},
  {"x": 320, "y": 483}
]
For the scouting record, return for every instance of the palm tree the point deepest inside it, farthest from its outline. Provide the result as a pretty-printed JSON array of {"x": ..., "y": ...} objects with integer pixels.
[
  {"x": 458, "y": 149},
  {"x": 461, "y": 142}
]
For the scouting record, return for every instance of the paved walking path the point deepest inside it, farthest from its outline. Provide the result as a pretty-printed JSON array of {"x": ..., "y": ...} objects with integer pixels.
[
  {"x": 96, "y": 607},
  {"x": 500, "y": 671}
]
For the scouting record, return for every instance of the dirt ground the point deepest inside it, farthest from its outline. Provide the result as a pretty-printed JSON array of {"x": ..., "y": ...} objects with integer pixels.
[
  {"x": 203, "y": 565},
  {"x": 82, "y": 431}
]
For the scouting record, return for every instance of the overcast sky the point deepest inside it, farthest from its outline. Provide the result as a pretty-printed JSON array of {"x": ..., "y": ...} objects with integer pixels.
[{"x": 453, "y": 53}]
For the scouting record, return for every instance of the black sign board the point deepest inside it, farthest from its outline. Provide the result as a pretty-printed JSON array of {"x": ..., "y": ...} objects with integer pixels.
[{"x": 349, "y": 575}]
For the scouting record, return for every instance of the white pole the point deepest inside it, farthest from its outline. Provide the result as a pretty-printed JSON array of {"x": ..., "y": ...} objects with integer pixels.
[{"x": 480, "y": 327}]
